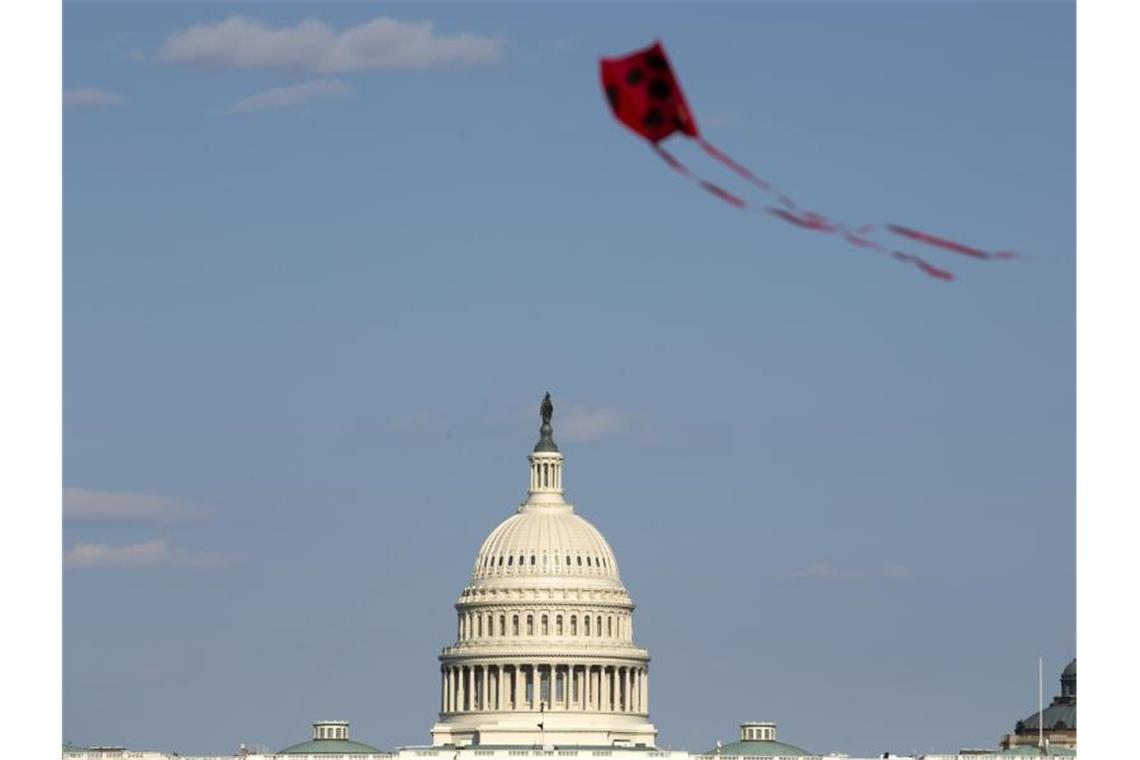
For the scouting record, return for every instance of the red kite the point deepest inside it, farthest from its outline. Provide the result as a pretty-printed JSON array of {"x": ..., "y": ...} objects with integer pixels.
[{"x": 645, "y": 96}]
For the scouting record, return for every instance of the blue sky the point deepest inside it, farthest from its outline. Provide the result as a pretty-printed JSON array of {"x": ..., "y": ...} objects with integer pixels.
[{"x": 306, "y": 333}]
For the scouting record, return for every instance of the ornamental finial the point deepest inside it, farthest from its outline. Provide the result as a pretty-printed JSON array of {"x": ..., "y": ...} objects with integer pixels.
[
  {"x": 546, "y": 432},
  {"x": 547, "y": 409}
]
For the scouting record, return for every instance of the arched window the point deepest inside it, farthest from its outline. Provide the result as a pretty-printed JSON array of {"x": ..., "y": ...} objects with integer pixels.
[
  {"x": 567, "y": 560},
  {"x": 587, "y": 619},
  {"x": 500, "y": 560},
  {"x": 610, "y": 626},
  {"x": 480, "y": 626},
  {"x": 579, "y": 560},
  {"x": 599, "y": 625},
  {"x": 515, "y": 625},
  {"x": 522, "y": 560},
  {"x": 530, "y": 625},
  {"x": 545, "y": 626},
  {"x": 558, "y": 625},
  {"x": 588, "y": 562},
  {"x": 573, "y": 625},
  {"x": 511, "y": 560},
  {"x": 502, "y": 625},
  {"x": 532, "y": 560}
]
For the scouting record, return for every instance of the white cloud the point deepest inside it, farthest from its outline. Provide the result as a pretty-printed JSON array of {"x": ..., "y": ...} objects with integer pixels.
[
  {"x": 822, "y": 571},
  {"x": 90, "y": 97},
  {"x": 84, "y": 504},
  {"x": 291, "y": 95},
  {"x": 579, "y": 423},
  {"x": 154, "y": 553},
  {"x": 313, "y": 46}
]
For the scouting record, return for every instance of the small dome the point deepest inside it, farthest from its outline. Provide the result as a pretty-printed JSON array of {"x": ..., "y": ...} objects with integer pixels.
[
  {"x": 758, "y": 739},
  {"x": 1070, "y": 671},
  {"x": 759, "y": 749},
  {"x": 330, "y": 737}
]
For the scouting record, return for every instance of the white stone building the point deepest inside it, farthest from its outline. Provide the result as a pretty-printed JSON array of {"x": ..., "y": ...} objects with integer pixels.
[
  {"x": 544, "y": 663},
  {"x": 544, "y": 652}
]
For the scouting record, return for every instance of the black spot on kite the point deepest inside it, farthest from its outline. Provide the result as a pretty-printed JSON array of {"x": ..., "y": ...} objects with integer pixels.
[
  {"x": 659, "y": 89},
  {"x": 656, "y": 61},
  {"x": 612, "y": 94},
  {"x": 634, "y": 77},
  {"x": 653, "y": 118}
]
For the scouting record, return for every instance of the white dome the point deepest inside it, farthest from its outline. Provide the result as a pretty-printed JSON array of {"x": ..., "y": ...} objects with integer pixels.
[
  {"x": 545, "y": 541},
  {"x": 544, "y": 649}
]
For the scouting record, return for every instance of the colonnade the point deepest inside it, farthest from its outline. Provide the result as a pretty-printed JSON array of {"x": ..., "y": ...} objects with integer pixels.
[{"x": 578, "y": 687}]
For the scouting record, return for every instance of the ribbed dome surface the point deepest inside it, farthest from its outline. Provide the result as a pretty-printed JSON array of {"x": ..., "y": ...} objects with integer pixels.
[{"x": 545, "y": 541}]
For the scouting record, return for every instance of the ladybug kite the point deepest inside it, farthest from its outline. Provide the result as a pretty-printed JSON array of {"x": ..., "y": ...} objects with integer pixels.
[{"x": 645, "y": 96}]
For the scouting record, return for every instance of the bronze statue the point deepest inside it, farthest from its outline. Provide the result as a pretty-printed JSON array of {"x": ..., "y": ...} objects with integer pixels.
[{"x": 547, "y": 409}]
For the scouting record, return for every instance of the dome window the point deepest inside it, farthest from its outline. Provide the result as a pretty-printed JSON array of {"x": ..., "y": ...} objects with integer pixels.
[
  {"x": 532, "y": 560},
  {"x": 558, "y": 625},
  {"x": 510, "y": 560},
  {"x": 515, "y": 625},
  {"x": 573, "y": 625},
  {"x": 545, "y": 626},
  {"x": 530, "y": 625},
  {"x": 588, "y": 562}
]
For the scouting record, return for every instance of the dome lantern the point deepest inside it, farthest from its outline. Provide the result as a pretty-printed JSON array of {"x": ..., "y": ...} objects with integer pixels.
[{"x": 545, "y": 461}]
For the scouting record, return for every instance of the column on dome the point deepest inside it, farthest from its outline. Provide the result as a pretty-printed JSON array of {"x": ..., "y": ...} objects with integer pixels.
[
  {"x": 460, "y": 689},
  {"x": 481, "y": 676},
  {"x": 619, "y": 689},
  {"x": 608, "y": 688},
  {"x": 504, "y": 686},
  {"x": 568, "y": 686},
  {"x": 628, "y": 700},
  {"x": 515, "y": 687},
  {"x": 452, "y": 686},
  {"x": 470, "y": 687},
  {"x": 586, "y": 687}
]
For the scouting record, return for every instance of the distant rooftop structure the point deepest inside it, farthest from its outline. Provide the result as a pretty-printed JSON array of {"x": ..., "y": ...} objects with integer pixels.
[
  {"x": 758, "y": 739},
  {"x": 1059, "y": 719},
  {"x": 330, "y": 737}
]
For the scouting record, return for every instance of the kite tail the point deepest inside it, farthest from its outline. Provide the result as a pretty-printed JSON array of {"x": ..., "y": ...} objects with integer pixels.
[
  {"x": 813, "y": 221},
  {"x": 808, "y": 220},
  {"x": 948, "y": 245}
]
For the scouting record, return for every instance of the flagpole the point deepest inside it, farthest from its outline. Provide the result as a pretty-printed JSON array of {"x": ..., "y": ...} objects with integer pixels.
[{"x": 1040, "y": 702}]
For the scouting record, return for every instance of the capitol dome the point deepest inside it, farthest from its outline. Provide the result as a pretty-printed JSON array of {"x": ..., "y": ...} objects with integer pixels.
[
  {"x": 550, "y": 542},
  {"x": 544, "y": 651}
]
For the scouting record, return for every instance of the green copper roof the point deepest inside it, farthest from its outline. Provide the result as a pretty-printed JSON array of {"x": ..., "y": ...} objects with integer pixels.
[
  {"x": 330, "y": 747},
  {"x": 757, "y": 748},
  {"x": 546, "y": 438}
]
